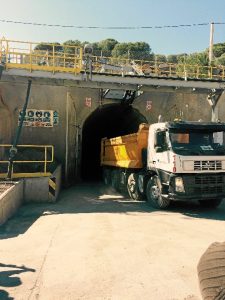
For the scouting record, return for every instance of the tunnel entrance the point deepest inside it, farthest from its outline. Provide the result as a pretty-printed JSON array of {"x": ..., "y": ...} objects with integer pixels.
[{"x": 107, "y": 121}]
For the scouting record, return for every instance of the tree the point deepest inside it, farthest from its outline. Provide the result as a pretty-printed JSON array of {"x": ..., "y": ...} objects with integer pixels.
[
  {"x": 172, "y": 58},
  {"x": 73, "y": 43},
  {"x": 160, "y": 58},
  {"x": 196, "y": 64},
  {"x": 108, "y": 44},
  {"x": 96, "y": 49},
  {"x": 220, "y": 60},
  {"x": 218, "y": 49},
  {"x": 137, "y": 51},
  {"x": 49, "y": 47},
  {"x": 120, "y": 50},
  {"x": 182, "y": 58},
  {"x": 200, "y": 58}
]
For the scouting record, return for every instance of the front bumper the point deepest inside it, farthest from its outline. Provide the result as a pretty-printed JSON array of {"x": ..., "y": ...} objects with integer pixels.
[{"x": 198, "y": 187}]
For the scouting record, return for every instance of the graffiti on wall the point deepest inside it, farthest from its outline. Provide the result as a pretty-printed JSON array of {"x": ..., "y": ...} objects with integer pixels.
[{"x": 40, "y": 118}]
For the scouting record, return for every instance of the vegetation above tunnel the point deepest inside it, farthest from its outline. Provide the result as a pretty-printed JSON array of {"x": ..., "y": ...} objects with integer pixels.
[{"x": 142, "y": 51}]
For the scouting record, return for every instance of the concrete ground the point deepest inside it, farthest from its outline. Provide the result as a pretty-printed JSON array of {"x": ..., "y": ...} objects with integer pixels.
[{"x": 95, "y": 244}]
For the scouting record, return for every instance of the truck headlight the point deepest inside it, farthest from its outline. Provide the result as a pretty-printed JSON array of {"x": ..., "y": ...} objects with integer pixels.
[{"x": 179, "y": 185}]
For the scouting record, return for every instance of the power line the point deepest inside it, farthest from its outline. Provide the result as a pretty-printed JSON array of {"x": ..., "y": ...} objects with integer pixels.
[{"x": 110, "y": 27}]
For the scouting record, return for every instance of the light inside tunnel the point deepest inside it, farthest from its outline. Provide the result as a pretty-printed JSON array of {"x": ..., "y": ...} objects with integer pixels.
[{"x": 107, "y": 121}]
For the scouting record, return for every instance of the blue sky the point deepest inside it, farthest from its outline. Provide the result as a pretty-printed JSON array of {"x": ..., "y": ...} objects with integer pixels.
[{"x": 117, "y": 13}]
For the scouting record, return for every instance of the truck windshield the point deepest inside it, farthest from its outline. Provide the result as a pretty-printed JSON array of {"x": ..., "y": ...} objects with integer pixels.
[{"x": 198, "y": 142}]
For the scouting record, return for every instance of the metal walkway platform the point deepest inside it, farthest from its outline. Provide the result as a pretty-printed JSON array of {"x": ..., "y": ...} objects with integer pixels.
[{"x": 127, "y": 82}]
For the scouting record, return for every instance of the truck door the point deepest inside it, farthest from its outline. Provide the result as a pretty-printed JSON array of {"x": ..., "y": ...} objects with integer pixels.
[{"x": 159, "y": 156}]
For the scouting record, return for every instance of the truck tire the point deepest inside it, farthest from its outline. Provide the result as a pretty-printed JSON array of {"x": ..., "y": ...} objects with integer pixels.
[
  {"x": 123, "y": 183},
  {"x": 115, "y": 179},
  {"x": 132, "y": 187},
  {"x": 212, "y": 203},
  {"x": 211, "y": 272},
  {"x": 106, "y": 176},
  {"x": 154, "y": 194}
]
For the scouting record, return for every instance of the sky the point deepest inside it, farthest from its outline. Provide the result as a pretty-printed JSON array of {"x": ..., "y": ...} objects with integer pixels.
[{"x": 104, "y": 13}]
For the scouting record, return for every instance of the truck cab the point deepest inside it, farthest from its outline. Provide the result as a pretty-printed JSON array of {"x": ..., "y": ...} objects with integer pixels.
[{"x": 186, "y": 161}]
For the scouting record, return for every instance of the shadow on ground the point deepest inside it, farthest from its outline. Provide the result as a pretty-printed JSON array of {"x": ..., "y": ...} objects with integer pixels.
[
  {"x": 97, "y": 198},
  {"x": 8, "y": 278}
]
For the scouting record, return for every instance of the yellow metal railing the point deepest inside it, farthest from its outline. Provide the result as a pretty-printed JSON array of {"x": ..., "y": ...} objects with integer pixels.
[
  {"x": 113, "y": 65},
  {"x": 54, "y": 58},
  {"x": 70, "y": 59},
  {"x": 47, "y": 157}
]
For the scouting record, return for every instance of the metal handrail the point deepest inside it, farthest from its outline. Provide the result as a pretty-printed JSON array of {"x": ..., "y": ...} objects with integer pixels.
[
  {"x": 47, "y": 160},
  {"x": 70, "y": 59},
  {"x": 157, "y": 68},
  {"x": 13, "y": 55}
]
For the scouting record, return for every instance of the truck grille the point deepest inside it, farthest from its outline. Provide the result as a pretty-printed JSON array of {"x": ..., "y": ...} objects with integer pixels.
[
  {"x": 208, "y": 190},
  {"x": 218, "y": 179},
  {"x": 207, "y": 165},
  {"x": 205, "y": 184}
]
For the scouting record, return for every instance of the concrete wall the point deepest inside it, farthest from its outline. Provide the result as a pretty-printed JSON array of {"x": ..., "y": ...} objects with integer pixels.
[
  {"x": 37, "y": 189},
  {"x": 46, "y": 97},
  {"x": 28, "y": 190},
  {"x": 10, "y": 201},
  {"x": 190, "y": 107},
  {"x": 69, "y": 102}
]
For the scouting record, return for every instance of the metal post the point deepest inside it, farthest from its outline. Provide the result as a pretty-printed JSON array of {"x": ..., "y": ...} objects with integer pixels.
[{"x": 90, "y": 68}]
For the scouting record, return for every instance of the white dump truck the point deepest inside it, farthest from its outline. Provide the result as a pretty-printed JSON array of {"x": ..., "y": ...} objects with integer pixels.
[{"x": 169, "y": 161}]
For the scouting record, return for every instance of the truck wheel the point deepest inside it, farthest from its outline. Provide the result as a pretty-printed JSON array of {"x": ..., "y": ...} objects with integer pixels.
[
  {"x": 106, "y": 176},
  {"x": 123, "y": 183},
  {"x": 132, "y": 187},
  {"x": 211, "y": 272},
  {"x": 154, "y": 194},
  {"x": 115, "y": 179},
  {"x": 212, "y": 203}
]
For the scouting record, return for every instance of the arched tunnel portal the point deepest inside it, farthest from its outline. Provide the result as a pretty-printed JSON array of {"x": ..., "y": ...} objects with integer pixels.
[{"x": 106, "y": 121}]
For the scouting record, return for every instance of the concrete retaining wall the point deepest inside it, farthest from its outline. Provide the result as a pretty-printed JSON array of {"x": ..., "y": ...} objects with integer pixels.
[
  {"x": 29, "y": 190},
  {"x": 10, "y": 201},
  {"x": 41, "y": 189}
]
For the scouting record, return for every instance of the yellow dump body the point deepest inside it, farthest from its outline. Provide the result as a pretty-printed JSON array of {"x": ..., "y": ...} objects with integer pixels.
[{"x": 125, "y": 151}]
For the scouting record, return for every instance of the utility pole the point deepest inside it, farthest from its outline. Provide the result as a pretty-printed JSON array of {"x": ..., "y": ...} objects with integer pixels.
[{"x": 211, "y": 43}]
